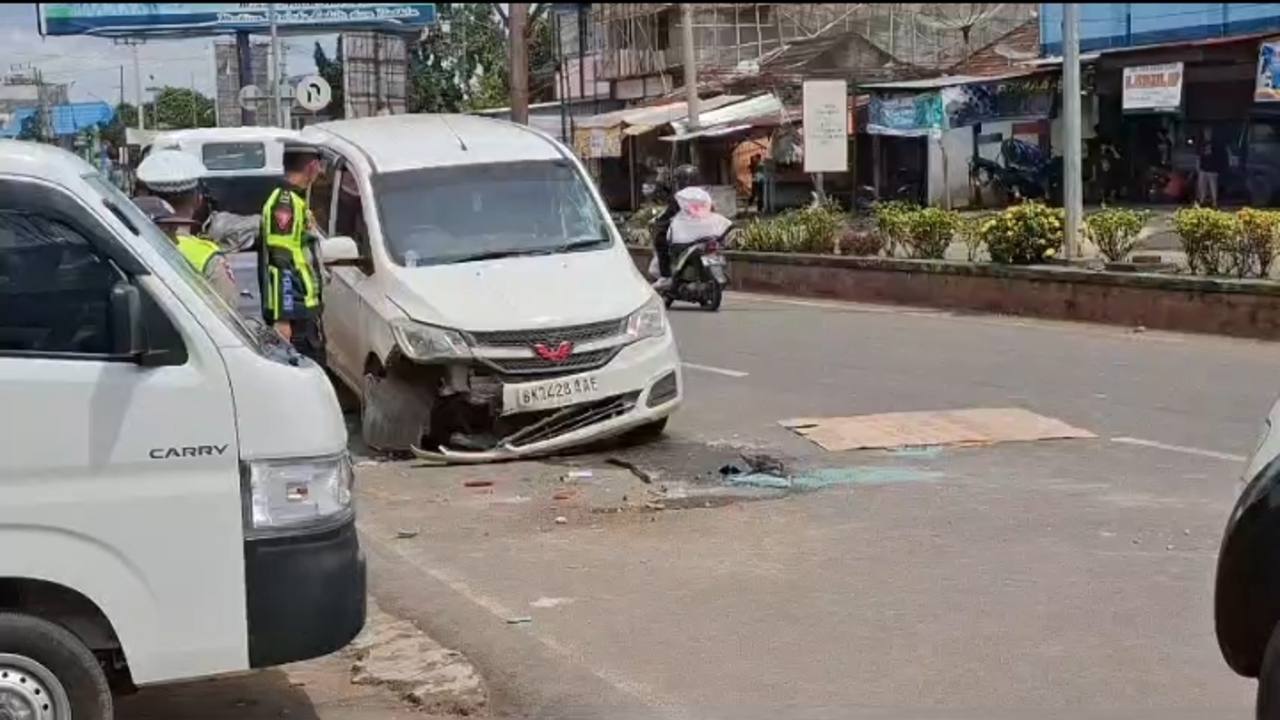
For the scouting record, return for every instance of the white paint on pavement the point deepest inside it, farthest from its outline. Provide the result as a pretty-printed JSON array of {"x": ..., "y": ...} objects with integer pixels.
[
  {"x": 1180, "y": 448},
  {"x": 716, "y": 370}
]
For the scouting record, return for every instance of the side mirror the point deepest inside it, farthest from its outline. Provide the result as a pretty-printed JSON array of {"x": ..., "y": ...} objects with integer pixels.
[
  {"x": 128, "y": 328},
  {"x": 340, "y": 251}
]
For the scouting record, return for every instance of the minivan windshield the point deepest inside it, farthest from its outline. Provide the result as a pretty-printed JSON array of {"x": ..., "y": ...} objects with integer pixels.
[{"x": 478, "y": 212}]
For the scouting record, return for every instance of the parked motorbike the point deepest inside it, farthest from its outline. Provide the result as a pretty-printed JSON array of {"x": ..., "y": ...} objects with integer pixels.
[
  {"x": 699, "y": 272},
  {"x": 1025, "y": 172}
]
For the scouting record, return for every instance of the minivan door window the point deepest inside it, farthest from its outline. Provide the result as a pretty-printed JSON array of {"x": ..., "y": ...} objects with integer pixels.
[{"x": 475, "y": 212}]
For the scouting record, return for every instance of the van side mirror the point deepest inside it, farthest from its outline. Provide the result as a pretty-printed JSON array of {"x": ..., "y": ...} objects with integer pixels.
[
  {"x": 128, "y": 327},
  {"x": 340, "y": 251}
]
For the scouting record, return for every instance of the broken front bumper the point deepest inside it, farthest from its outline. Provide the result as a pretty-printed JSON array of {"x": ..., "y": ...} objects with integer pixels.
[{"x": 641, "y": 385}]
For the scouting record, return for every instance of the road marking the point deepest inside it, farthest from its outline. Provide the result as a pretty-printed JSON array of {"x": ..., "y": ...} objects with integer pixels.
[
  {"x": 1180, "y": 448},
  {"x": 716, "y": 370}
]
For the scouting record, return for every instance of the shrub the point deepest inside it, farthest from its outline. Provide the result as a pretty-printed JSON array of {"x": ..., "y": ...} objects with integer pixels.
[
  {"x": 861, "y": 242},
  {"x": 970, "y": 232},
  {"x": 1023, "y": 234},
  {"x": 1115, "y": 231},
  {"x": 893, "y": 221},
  {"x": 1208, "y": 238},
  {"x": 809, "y": 230},
  {"x": 637, "y": 228},
  {"x": 930, "y": 231},
  {"x": 1259, "y": 237}
]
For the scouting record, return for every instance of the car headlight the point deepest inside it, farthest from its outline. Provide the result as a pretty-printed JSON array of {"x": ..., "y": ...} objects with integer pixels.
[
  {"x": 297, "y": 495},
  {"x": 649, "y": 321},
  {"x": 425, "y": 342}
]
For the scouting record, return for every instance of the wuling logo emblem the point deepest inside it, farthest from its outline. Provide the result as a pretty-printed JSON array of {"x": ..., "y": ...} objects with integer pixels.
[{"x": 556, "y": 353}]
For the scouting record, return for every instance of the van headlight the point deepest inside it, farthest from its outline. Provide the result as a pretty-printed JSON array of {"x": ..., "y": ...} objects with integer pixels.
[
  {"x": 427, "y": 342},
  {"x": 285, "y": 497},
  {"x": 649, "y": 321}
]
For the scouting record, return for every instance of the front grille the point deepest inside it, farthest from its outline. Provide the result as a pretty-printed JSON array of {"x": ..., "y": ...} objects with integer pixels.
[
  {"x": 554, "y": 423},
  {"x": 576, "y": 334},
  {"x": 578, "y": 362}
]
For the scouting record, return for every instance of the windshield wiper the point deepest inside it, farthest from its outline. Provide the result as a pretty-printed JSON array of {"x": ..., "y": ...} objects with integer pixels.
[
  {"x": 582, "y": 244},
  {"x": 497, "y": 254}
]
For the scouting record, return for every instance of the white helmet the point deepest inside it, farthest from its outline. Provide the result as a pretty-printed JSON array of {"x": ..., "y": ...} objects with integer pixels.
[{"x": 170, "y": 171}]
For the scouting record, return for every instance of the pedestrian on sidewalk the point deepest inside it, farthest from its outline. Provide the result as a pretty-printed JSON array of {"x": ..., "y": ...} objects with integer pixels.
[{"x": 1212, "y": 162}]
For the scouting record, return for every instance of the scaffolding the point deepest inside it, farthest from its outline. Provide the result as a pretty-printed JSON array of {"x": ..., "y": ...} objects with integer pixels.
[
  {"x": 635, "y": 40},
  {"x": 374, "y": 74}
]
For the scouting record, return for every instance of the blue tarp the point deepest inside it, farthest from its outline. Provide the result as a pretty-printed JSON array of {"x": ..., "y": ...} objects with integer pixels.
[{"x": 67, "y": 120}]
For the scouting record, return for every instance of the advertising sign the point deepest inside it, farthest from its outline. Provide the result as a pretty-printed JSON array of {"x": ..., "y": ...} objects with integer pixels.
[
  {"x": 1153, "y": 88},
  {"x": 1027, "y": 98},
  {"x": 909, "y": 115},
  {"x": 826, "y": 126},
  {"x": 194, "y": 19},
  {"x": 1267, "y": 89}
]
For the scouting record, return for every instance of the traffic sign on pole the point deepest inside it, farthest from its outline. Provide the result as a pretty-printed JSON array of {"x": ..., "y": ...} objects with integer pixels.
[{"x": 313, "y": 93}]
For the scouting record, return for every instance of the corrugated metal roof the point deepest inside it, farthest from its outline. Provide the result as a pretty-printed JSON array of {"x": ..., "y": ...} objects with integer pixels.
[
  {"x": 739, "y": 113},
  {"x": 67, "y": 119},
  {"x": 947, "y": 81},
  {"x": 654, "y": 115}
]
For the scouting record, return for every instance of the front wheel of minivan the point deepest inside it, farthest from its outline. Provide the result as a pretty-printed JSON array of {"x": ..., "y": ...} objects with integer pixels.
[
  {"x": 47, "y": 673},
  {"x": 1268, "y": 707}
]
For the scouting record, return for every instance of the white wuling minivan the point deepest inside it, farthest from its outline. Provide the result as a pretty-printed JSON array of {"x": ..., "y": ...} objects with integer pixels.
[
  {"x": 175, "y": 492},
  {"x": 480, "y": 300}
]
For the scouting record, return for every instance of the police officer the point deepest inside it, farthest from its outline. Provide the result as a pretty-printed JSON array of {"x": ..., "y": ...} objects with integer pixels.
[
  {"x": 290, "y": 268},
  {"x": 172, "y": 180},
  {"x": 682, "y": 177}
]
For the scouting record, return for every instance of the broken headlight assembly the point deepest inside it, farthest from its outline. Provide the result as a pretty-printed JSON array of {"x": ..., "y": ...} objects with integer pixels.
[
  {"x": 427, "y": 342},
  {"x": 299, "y": 495},
  {"x": 649, "y": 321}
]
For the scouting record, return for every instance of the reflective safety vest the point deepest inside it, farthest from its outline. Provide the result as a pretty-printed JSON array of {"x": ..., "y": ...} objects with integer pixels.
[
  {"x": 197, "y": 251},
  {"x": 285, "y": 268}
]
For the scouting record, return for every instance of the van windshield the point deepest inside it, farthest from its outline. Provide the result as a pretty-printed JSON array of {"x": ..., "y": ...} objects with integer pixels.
[{"x": 477, "y": 212}]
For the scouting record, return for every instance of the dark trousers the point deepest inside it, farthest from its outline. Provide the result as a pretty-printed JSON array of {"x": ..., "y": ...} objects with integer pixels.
[
  {"x": 308, "y": 338},
  {"x": 662, "y": 248}
]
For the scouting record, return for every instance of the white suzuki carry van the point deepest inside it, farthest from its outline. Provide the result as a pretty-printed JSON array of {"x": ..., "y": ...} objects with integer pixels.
[
  {"x": 175, "y": 491},
  {"x": 480, "y": 301}
]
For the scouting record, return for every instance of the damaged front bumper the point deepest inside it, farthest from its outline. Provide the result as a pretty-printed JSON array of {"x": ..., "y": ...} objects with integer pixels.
[{"x": 641, "y": 385}]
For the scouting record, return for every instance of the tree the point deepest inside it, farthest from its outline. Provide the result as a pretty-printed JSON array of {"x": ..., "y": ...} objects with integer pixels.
[
  {"x": 126, "y": 117},
  {"x": 464, "y": 68},
  {"x": 182, "y": 108},
  {"x": 331, "y": 71}
]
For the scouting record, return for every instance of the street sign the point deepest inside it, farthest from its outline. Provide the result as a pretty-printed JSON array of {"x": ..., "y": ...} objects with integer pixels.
[
  {"x": 205, "y": 19},
  {"x": 249, "y": 97},
  {"x": 826, "y": 126},
  {"x": 314, "y": 93}
]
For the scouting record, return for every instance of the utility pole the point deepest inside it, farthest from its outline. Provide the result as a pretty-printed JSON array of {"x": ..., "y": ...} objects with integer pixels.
[
  {"x": 519, "y": 55},
  {"x": 1073, "y": 190},
  {"x": 274, "y": 66},
  {"x": 244, "y": 61},
  {"x": 195, "y": 117},
  {"x": 42, "y": 101},
  {"x": 133, "y": 44},
  {"x": 690, "y": 57}
]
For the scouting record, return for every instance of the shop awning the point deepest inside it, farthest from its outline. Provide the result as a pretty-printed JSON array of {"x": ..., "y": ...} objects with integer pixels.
[
  {"x": 653, "y": 116},
  {"x": 944, "y": 81},
  {"x": 758, "y": 107}
]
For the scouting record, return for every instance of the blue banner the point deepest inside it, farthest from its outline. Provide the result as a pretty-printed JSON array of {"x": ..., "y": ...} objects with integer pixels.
[
  {"x": 911, "y": 114},
  {"x": 196, "y": 19}
]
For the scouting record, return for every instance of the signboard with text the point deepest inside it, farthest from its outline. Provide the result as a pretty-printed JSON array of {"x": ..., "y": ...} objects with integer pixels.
[
  {"x": 1153, "y": 88},
  {"x": 197, "y": 19},
  {"x": 826, "y": 126}
]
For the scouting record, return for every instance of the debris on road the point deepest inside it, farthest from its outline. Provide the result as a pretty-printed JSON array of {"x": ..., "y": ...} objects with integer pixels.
[
  {"x": 562, "y": 520},
  {"x": 819, "y": 478},
  {"x": 523, "y": 619},
  {"x": 396, "y": 654},
  {"x": 407, "y": 533},
  {"x": 551, "y": 602},
  {"x": 764, "y": 463},
  {"x": 564, "y": 495},
  {"x": 644, "y": 476},
  {"x": 577, "y": 475},
  {"x": 730, "y": 470},
  {"x": 931, "y": 428},
  {"x": 477, "y": 483}
]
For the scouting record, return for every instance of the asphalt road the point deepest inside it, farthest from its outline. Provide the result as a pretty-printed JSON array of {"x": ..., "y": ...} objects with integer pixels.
[{"x": 1043, "y": 579}]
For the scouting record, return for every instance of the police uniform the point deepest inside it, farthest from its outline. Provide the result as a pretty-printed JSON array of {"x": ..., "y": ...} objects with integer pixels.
[
  {"x": 207, "y": 259},
  {"x": 289, "y": 267}
]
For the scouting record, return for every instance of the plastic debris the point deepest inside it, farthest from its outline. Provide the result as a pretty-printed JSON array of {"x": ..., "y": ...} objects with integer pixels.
[
  {"x": 477, "y": 483},
  {"x": 519, "y": 620},
  {"x": 562, "y": 520},
  {"x": 644, "y": 476},
  {"x": 406, "y": 534}
]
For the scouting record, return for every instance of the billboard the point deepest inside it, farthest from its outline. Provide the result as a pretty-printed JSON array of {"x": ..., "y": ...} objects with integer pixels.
[
  {"x": 195, "y": 19},
  {"x": 826, "y": 126},
  {"x": 1267, "y": 87}
]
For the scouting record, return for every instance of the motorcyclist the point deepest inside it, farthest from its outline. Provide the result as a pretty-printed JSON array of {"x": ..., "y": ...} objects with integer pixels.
[
  {"x": 695, "y": 221},
  {"x": 682, "y": 177}
]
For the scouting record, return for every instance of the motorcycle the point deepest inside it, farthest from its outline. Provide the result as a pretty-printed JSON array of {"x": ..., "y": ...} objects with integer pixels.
[
  {"x": 1026, "y": 172},
  {"x": 699, "y": 272}
]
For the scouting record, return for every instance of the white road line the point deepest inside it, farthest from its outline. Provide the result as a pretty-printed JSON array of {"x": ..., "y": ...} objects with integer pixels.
[
  {"x": 716, "y": 370},
  {"x": 1180, "y": 448}
]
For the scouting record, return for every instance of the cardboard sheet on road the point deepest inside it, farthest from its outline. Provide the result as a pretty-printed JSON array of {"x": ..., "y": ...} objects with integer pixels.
[{"x": 975, "y": 426}]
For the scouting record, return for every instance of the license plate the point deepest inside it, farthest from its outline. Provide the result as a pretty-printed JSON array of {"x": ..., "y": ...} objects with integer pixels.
[
  {"x": 551, "y": 394},
  {"x": 709, "y": 260}
]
